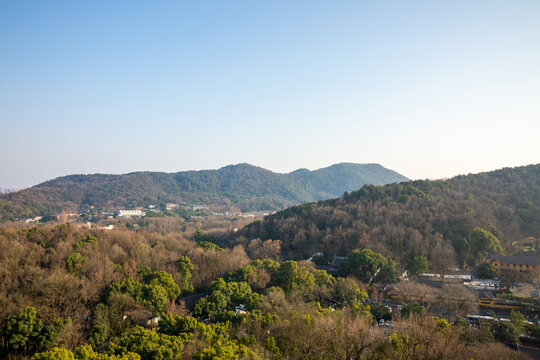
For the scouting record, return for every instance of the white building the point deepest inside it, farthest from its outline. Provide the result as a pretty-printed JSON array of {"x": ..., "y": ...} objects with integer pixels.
[{"x": 129, "y": 213}]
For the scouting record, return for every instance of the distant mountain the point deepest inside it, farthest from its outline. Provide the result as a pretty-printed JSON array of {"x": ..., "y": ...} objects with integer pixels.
[
  {"x": 246, "y": 186},
  {"x": 407, "y": 219}
]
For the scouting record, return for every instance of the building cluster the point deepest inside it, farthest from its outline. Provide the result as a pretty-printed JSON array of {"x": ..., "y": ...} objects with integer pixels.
[
  {"x": 9, "y": 190},
  {"x": 523, "y": 267}
]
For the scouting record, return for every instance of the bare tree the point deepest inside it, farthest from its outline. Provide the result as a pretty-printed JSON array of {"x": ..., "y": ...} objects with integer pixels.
[{"x": 442, "y": 258}]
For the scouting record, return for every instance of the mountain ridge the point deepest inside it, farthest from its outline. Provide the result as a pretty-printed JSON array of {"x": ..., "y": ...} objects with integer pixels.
[{"x": 246, "y": 186}]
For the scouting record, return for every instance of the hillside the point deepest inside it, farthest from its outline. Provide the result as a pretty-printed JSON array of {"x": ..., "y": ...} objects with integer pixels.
[
  {"x": 246, "y": 186},
  {"x": 410, "y": 218}
]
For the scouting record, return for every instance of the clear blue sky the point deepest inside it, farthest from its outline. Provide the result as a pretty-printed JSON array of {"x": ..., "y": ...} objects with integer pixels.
[{"x": 428, "y": 88}]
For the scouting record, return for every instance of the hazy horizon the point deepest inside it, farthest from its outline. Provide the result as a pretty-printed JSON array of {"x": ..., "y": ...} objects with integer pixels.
[
  {"x": 275, "y": 171},
  {"x": 430, "y": 90}
]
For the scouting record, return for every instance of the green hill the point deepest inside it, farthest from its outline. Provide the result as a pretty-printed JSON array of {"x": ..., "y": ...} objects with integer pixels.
[
  {"x": 246, "y": 186},
  {"x": 407, "y": 219}
]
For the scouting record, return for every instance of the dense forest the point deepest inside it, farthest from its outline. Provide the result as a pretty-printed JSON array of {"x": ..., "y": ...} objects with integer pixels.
[
  {"x": 67, "y": 292},
  {"x": 245, "y": 186},
  {"x": 438, "y": 219}
]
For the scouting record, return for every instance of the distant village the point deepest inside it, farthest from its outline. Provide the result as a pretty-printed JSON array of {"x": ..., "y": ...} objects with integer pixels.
[{"x": 189, "y": 211}]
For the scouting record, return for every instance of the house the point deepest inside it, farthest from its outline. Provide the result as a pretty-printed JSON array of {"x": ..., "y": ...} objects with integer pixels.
[
  {"x": 525, "y": 266},
  {"x": 336, "y": 261},
  {"x": 240, "y": 309},
  {"x": 171, "y": 206}
]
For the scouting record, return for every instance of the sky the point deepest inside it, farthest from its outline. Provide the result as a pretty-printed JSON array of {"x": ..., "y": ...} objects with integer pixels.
[{"x": 431, "y": 89}]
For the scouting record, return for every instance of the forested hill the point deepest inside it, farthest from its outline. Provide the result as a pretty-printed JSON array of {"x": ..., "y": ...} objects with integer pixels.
[
  {"x": 408, "y": 219},
  {"x": 246, "y": 186}
]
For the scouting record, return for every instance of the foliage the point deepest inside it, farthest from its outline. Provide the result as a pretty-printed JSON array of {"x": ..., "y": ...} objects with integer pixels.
[
  {"x": 518, "y": 320},
  {"x": 89, "y": 240},
  {"x": 482, "y": 243},
  {"x": 505, "y": 332},
  {"x": 154, "y": 290},
  {"x": 442, "y": 323},
  {"x": 178, "y": 325},
  {"x": 160, "y": 278},
  {"x": 389, "y": 274},
  {"x": 346, "y": 291},
  {"x": 185, "y": 268},
  {"x": 101, "y": 325},
  {"x": 327, "y": 318},
  {"x": 148, "y": 344},
  {"x": 25, "y": 333},
  {"x": 379, "y": 311},
  {"x": 154, "y": 296},
  {"x": 365, "y": 265},
  {"x": 54, "y": 354},
  {"x": 207, "y": 245},
  {"x": 81, "y": 353},
  {"x": 75, "y": 262},
  {"x": 230, "y": 350},
  {"x": 271, "y": 347},
  {"x": 412, "y": 309},
  {"x": 21, "y": 331},
  {"x": 418, "y": 265},
  {"x": 487, "y": 271},
  {"x": 224, "y": 297},
  {"x": 404, "y": 345},
  {"x": 290, "y": 276}
]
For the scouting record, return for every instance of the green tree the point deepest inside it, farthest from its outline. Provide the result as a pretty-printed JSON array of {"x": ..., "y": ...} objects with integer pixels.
[
  {"x": 230, "y": 350},
  {"x": 346, "y": 291},
  {"x": 101, "y": 325},
  {"x": 291, "y": 276},
  {"x": 148, "y": 344},
  {"x": 379, "y": 311},
  {"x": 389, "y": 273},
  {"x": 75, "y": 262},
  {"x": 51, "y": 332},
  {"x": 224, "y": 297},
  {"x": 441, "y": 323},
  {"x": 155, "y": 290},
  {"x": 87, "y": 241},
  {"x": 185, "y": 268},
  {"x": 412, "y": 309},
  {"x": 54, "y": 354},
  {"x": 21, "y": 331},
  {"x": 418, "y": 265},
  {"x": 161, "y": 278},
  {"x": 364, "y": 264},
  {"x": 86, "y": 352},
  {"x": 188, "y": 326},
  {"x": 518, "y": 321},
  {"x": 487, "y": 271},
  {"x": 482, "y": 243},
  {"x": 155, "y": 296},
  {"x": 505, "y": 332},
  {"x": 207, "y": 245}
]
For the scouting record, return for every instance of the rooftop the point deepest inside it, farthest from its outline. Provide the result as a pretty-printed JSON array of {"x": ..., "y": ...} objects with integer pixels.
[{"x": 527, "y": 258}]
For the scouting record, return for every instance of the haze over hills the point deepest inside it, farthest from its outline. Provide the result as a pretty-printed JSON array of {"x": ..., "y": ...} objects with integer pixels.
[
  {"x": 243, "y": 185},
  {"x": 410, "y": 218}
]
